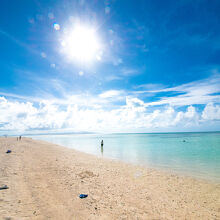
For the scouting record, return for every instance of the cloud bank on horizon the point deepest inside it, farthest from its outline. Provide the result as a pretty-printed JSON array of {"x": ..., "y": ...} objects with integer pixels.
[
  {"x": 109, "y": 66},
  {"x": 102, "y": 113}
]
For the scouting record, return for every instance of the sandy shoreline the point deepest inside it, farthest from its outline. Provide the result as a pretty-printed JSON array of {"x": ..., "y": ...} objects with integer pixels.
[{"x": 45, "y": 181}]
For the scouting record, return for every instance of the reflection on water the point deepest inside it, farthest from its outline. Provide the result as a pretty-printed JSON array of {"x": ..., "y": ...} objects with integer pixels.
[
  {"x": 102, "y": 150},
  {"x": 195, "y": 154}
]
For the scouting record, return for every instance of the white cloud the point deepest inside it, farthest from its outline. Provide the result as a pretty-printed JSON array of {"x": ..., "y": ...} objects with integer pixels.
[
  {"x": 188, "y": 118},
  {"x": 129, "y": 71},
  {"x": 211, "y": 112},
  {"x": 197, "y": 92},
  {"x": 110, "y": 94},
  {"x": 20, "y": 97},
  {"x": 113, "y": 77},
  {"x": 133, "y": 115},
  {"x": 151, "y": 87},
  {"x": 105, "y": 111}
]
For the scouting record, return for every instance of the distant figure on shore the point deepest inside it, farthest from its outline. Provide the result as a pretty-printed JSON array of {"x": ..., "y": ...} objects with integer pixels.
[
  {"x": 102, "y": 143},
  {"x": 19, "y": 137}
]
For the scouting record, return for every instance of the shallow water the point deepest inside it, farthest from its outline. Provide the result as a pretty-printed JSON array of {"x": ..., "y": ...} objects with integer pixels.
[{"x": 192, "y": 154}]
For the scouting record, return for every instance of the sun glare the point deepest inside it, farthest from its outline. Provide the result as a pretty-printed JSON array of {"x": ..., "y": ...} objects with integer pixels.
[{"x": 81, "y": 44}]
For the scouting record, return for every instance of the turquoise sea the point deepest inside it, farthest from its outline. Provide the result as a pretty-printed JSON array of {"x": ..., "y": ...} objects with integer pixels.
[{"x": 190, "y": 154}]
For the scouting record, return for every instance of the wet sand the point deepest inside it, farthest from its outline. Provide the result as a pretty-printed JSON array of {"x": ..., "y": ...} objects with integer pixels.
[{"x": 45, "y": 181}]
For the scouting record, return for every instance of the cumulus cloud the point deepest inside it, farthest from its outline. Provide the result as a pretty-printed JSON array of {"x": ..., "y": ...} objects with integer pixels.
[
  {"x": 211, "y": 112},
  {"x": 45, "y": 115}
]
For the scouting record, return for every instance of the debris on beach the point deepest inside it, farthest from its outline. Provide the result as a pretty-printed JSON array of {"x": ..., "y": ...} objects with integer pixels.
[
  {"x": 4, "y": 187},
  {"x": 8, "y": 151},
  {"x": 82, "y": 196}
]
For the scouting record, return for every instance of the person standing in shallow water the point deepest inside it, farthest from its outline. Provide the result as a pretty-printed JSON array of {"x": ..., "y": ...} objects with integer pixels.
[{"x": 102, "y": 143}]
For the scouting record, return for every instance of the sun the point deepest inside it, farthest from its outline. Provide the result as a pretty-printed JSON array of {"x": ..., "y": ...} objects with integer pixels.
[{"x": 81, "y": 44}]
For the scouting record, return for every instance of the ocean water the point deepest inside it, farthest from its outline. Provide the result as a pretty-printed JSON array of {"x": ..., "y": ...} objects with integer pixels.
[{"x": 190, "y": 154}]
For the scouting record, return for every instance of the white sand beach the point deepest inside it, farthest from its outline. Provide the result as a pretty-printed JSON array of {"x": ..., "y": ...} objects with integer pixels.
[{"x": 45, "y": 181}]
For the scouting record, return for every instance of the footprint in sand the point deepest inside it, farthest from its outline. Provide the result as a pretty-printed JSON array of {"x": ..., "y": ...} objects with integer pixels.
[{"x": 86, "y": 174}]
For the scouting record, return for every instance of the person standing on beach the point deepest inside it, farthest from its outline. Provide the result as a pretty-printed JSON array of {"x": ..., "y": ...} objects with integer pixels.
[{"x": 102, "y": 143}]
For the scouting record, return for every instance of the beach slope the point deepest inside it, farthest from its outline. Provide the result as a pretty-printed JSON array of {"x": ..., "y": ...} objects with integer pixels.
[{"x": 45, "y": 181}]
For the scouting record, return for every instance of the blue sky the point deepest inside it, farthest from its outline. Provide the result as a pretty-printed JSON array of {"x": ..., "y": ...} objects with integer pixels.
[{"x": 156, "y": 67}]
